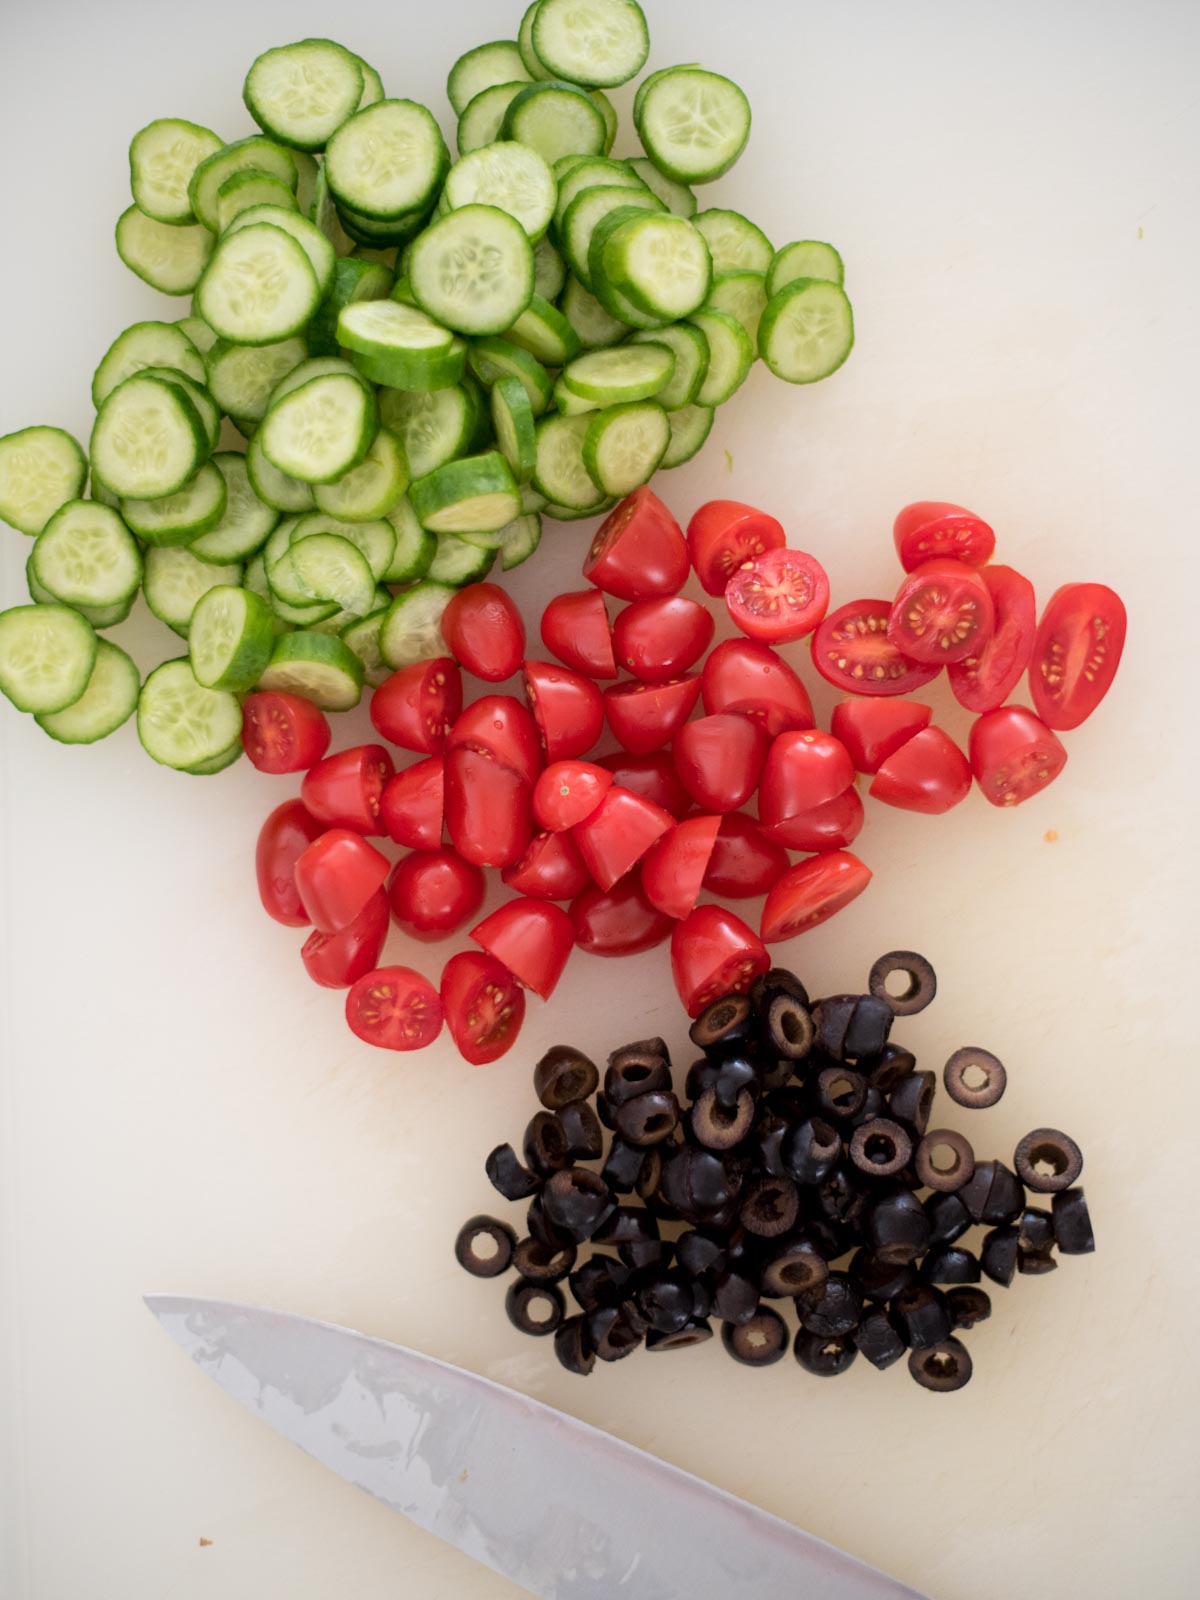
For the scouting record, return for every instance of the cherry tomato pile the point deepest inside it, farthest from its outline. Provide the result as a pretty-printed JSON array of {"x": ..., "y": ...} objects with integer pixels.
[{"x": 628, "y": 840}]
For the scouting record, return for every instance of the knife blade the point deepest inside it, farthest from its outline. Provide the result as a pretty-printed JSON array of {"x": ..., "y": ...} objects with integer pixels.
[{"x": 555, "y": 1505}]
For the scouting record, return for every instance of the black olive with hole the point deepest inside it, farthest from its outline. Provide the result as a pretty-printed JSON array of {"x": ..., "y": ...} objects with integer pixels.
[
  {"x": 647, "y": 1179},
  {"x": 1035, "y": 1230},
  {"x": 911, "y": 1101},
  {"x": 968, "y": 1306},
  {"x": 877, "y": 1339},
  {"x": 950, "y": 1264},
  {"x": 506, "y": 1173},
  {"x": 879, "y": 1279},
  {"x": 540, "y": 1226},
  {"x": 484, "y": 1247},
  {"x": 789, "y": 1028},
  {"x": 890, "y": 1067},
  {"x": 824, "y": 1356},
  {"x": 717, "y": 1127},
  {"x": 998, "y": 1255},
  {"x": 600, "y": 1281},
  {"x": 543, "y": 1263},
  {"x": 873, "y": 1107},
  {"x": 974, "y": 1078},
  {"x": 545, "y": 1146},
  {"x": 942, "y": 1367},
  {"x": 949, "y": 1219},
  {"x": 839, "y": 1093},
  {"x": 842, "y": 1196},
  {"x": 622, "y": 1166},
  {"x": 581, "y": 1129},
  {"x": 666, "y": 1301},
  {"x": 576, "y": 1202},
  {"x": 1048, "y": 1161},
  {"x": 919, "y": 987},
  {"x": 631, "y": 1073},
  {"x": 573, "y": 1348},
  {"x": 811, "y": 1150},
  {"x": 695, "y": 1332},
  {"x": 736, "y": 1076},
  {"x": 945, "y": 1160},
  {"x": 850, "y": 1026},
  {"x": 770, "y": 1131},
  {"x": 896, "y": 1227},
  {"x": 736, "y": 1296},
  {"x": 994, "y": 1193},
  {"x": 832, "y": 1307},
  {"x": 627, "y": 1225},
  {"x": 880, "y": 1148},
  {"x": 760, "y": 1342},
  {"x": 610, "y": 1335},
  {"x": 794, "y": 1269},
  {"x": 1072, "y": 1223},
  {"x": 769, "y": 1207},
  {"x": 699, "y": 1253},
  {"x": 642, "y": 1255},
  {"x": 631, "y": 1313},
  {"x": 921, "y": 1315},
  {"x": 775, "y": 982},
  {"x": 725, "y": 1026},
  {"x": 696, "y": 1183},
  {"x": 563, "y": 1076},
  {"x": 1035, "y": 1263},
  {"x": 648, "y": 1119},
  {"x": 701, "y": 1076},
  {"x": 534, "y": 1308}
]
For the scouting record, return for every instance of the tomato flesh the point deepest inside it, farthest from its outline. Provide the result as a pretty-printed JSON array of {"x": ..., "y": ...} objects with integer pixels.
[
  {"x": 416, "y": 707},
  {"x": 489, "y": 813},
  {"x": 744, "y": 862},
  {"x": 283, "y": 732},
  {"x": 484, "y": 1006},
  {"x": 567, "y": 708},
  {"x": 618, "y": 833},
  {"x": 662, "y": 638},
  {"x": 803, "y": 769},
  {"x": 484, "y": 632},
  {"x": 335, "y": 877},
  {"x": 928, "y": 529},
  {"x": 1076, "y": 653},
  {"x": 929, "y": 774},
  {"x": 336, "y": 960},
  {"x": 575, "y": 628},
  {"x": 852, "y": 651},
  {"x": 551, "y": 869},
  {"x": 499, "y": 725},
  {"x": 985, "y": 679},
  {"x": 714, "y": 953},
  {"x": 282, "y": 840},
  {"x": 811, "y": 892},
  {"x": 433, "y": 892},
  {"x": 779, "y": 596},
  {"x": 619, "y": 921},
  {"x": 532, "y": 938},
  {"x": 645, "y": 716},
  {"x": 831, "y": 826},
  {"x": 653, "y": 776},
  {"x": 567, "y": 792},
  {"x": 345, "y": 790},
  {"x": 724, "y": 535},
  {"x": 719, "y": 759},
  {"x": 673, "y": 868},
  {"x": 412, "y": 806},
  {"x": 942, "y": 612},
  {"x": 639, "y": 550},
  {"x": 750, "y": 678},
  {"x": 1014, "y": 755},
  {"x": 872, "y": 730},
  {"x": 394, "y": 1008}
]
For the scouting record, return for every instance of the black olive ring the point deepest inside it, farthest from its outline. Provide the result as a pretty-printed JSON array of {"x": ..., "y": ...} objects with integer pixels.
[
  {"x": 995, "y": 1078},
  {"x": 523, "y": 1302},
  {"x": 1048, "y": 1148},
  {"x": 922, "y": 981},
  {"x": 880, "y": 1148},
  {"x": 469, "y": 1257},
  {"x": 945, "y": 1179}
]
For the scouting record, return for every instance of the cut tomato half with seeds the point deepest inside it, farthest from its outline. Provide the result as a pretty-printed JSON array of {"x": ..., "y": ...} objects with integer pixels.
[
  {"x": 985, "y": 679},
  {"x": 724, "y": 535},
  {"x": 1014, "y": 755},
  {"x": 345, "y": 790},
  {"x": 484, "y": 1006},
  {"x": 394, "y": 1008},
  {"x": 1076, "y": 653},
  {"x": 714, "y": 953},
  {"x": 872, "y": 730},
  {"x": 673, "y": 868},
  {"x": 778, "y": 596},
  {"x": 931, "y": 528},
  {"x": 283, "y": 732},
  {"x": 567, "y": 708},
  {"x": 639, "y": 550},
  {"x": 532, "y": 938},
  {"x": 750, "y": 678},
  {"x": 929, "y": 774},
  {"x": 812, "y": 892},
  {"x": 852, "y": 651},
  {"x": 416, "y": 707},
  {"x": 941, "y": 613}
]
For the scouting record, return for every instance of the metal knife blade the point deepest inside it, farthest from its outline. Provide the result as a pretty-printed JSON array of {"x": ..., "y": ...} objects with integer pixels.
[{"x": 551, "y": 1503}]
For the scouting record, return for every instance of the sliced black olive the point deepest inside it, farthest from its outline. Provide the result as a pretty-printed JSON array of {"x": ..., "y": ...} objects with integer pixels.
[
  {"x": 911, "y": 1101},
  {"x": 484, "y": 1247},
  {"x": 610, "y": 1334},
  {"x": 545, "y": 1145},
  {"x": 993, "y": 1194},
  {"x": 735, "y": 1075},
  {"x": 543, "y": 1263},
  {"x": 777, "y": 981},
  {"x": 795, "y": 1268},
  {"x": 699, "y": 1253},
  {"x": 622, "y": 1166},
  {"x": 873, "y": 1107},
  {"x": 725, "y": 1025},
  {"x": 945, "y": 1160},
  {"x": 641, "y": 1255},
  {"x": 600, "y": 1281},
  {"x": 842, "y": 1195},
  {"x": 696, "y": 1182},
  {"x": 506, "y": 1173},
  {"x": 540, "y": 1226},
  {"x": 974, "y": 1078},
  {"x": 576, "y": 1202},
  {"x": 627, "y": 1225},
  {"x": 702, "y": 1299},
  {"x": 850, "y": 1026},
  {"x": 606, "y": 1111},
  {"x": 648, "y": 1118},
  {"x": 880, "y": 1148},
  {"x": 832, "y": 1239},
  {"x": 950, "y": 1264},
  {"x": 564, "y": 1075},
  {"x": 888, "y": 1068},
  {"x": 1035, "y": 1263},
  {"x": 573, "y": 1348},
  {"x": 949, "y": 1219},
  {"x": 770, "y": 1131},
  {"x": 776, "y": 1074},
  {"x": 582, "y": 1131},
  {"x": 918, "y": 991},
  {"x": 648, "y": 1178},
  {"x": 632, "y": 1072},
  {"x": 789, "y": 1028},
  {"x": 921, "y": 1316},
  {"x": 695, "y": 1332},
  {"x": 1035, "y": 1230},
  {"x": 998, "y": 1255},
  {"x": 839, "y": 1093},
  {"x": 879, "y": 1279},
  {"x": 666, "y": 1301},
  {"x": 701, "y": 1075},
  {"x": 877, "y": 1339},
  {"x": 1072, "y": 1223},
  {"x": 769, "y": 1207},
  {"x": 968, "y": 1306},
  {"x": 760, "y": 1342},
  {"x": 825, "y": 1356},
  {"x": 896, "y": 1228},
  {"x": 789, "y": 1102},
  {"x": 736, "y": 1297},
  {"x": 1047, "y": 1161},
  {"x": 717, "y": 1128},
  {"x": 536, "y": 1308},
  {"x": 832, "y": 1307},
  {"x": 942, "y": 1367}
]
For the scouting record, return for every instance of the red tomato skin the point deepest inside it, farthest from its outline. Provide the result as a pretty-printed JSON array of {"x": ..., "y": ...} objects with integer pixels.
[
  {"x": 720, "y": 758},
  {"x": 779, "y": 596},
  {"x": 1076, "y": 653},
  {"x": 928, "y": 529},
  {"x": 653, "y": 776},
  {"x": 639, "y": 550},
  {"x": 371, "y": 1009},
  {"x": 811, "y": 892},
  {"x": 803, "y": 770},
  {"x": 673, "y": 869},
  {"x": 831, "y": 826},
  {"x": 576, "y": 629},
  {"x": 872, "y": 730},
  {"x": 412, "y": 807},
  {"x": 714, "y": 953},
  {"x": 744, "y": 861},
  {"x": 725, "y": 534},
  {"x": 941, "y": 586},
  {"x": 661, "y": 639},
  {"x": 283, "y": 732},
  {"x": 646, "y": 716},
  {"x": 345, "y": 790},
  {"x": 416, "y": 707},
  {"x": 619, "y": 921},
  {"x": 489, "y": 811},
  {"x": 618, "y": 833},
  {"x": 532, "y": 938},
  {"x": 750, "y": 678},
  {"x": 335, "y": 877},
  {"x": 551, "y": 869},
  {"x": 475, "y": 985},
  {"x": 337, "y": 960},
  {"x": 852, "y": 651},
  {"x": 567, "y": 708},
  {"x": 567, "y": 792},
  {"x": 985, "y": 679},
  {"x": 282, "y": 839},
  {"x": 500, "y": 725},
  {"x": 1014, "y": 755},
  {"x": 484, "y": 632},
  {"x": 929, "y": 774},
  {"x": 433, "y": 892}
]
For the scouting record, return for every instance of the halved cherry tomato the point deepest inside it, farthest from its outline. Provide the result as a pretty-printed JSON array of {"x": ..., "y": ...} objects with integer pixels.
[
  {"x": 489, "y": 812},
  {"x": 484, "y": 1006},
  {"x": 646, "y": 716},
  {"x": 575, "y": 628},
  {"x": 811, "y": 892},
  {"x": 985, "y": 679},
  {"x": 673, "y": 868},
  {"x": 412, "y": 808},
  {"x": 282, "y": 840},
  {"x": 639, "y": 550},
  {"x": 619, "y": 921},
  {"x": 744, "y": 862},
  {"x": 551, "y": 869},
  {"x": 1076, "y": 653},
  {"x": 931, "y": 528},
  {"x": 719, "y": 759},
  {"x": 852, "y": 651},
  {"x": 941, "y": 613},
  {"x": 725, "y": 534},
  {"x": 618, "y": 833},
  {"x": 661, "y": 639},
  {"x": 500, "y": 724},
  {"x": 566, "y": 707},
  {"x": 714, "y": 953},
  {"x": 653, "y": 776},
  {"x": 928, "y": 774},
  {"x": 567, "y": 792},
  {"x": 872, "y": 729},
  {"x": 744, "y": 676},
  {"x": 804, "y": 769},
  {"x": 344, "y": 790},
  {"x": 433, "y": 892},
  {"x": 1014, "y": 755},
  {"x": 417, "y": 706},
  {"x": 484, "y": 632},
  {"x": 532, "y": 938},
  {"x": 831, "y": 826},
  {"x": 335, "y": 877},
  {"x": 336, "y": 960},
  {"x": 283, "y": 732},
  {"x": 394, "y": 1008},
  {"x": 779, "y": 596}
]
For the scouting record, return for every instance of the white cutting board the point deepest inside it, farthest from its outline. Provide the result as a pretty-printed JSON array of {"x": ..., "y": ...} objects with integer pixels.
[{"x": 1014, "y": 190}]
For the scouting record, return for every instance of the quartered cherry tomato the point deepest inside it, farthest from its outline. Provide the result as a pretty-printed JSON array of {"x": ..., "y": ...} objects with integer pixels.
[
  {"x": 639, "y": 550},
  {"x": 931, "y": 528},
  {"x": 653, "y": 776},
  {"x": 345, "y": 790},
  {"x": 484, "y": 632},
  {"x": 872, "y": 729},
  {"x": 673, "y": 868},
  {"x": 551, "y": 869},
  {"x": 1014, "y": 755},
  {"x": 725, "y": 534},
  {"x": 646, "y": 716},
  {"x": 335, "y": 877},
  {"x": 744, "y": 862},
  {"x": 394, "y": 1008},
  {"x": 412, "y": 806},
  {"x": 618, "y": 833},
  {"x": 575, "y": 628},
  {"x": 811, "y": 892},
  {"x": 661, "y": 639},
  {"x": 283, "y": 732},
  {"x": 433, "y": 892},
  {"x": 501, "y": 726},
  {"x": 929, "y": 773},
  {"x": 744, "y": 676},
  {"x": 417, "y": 706},
  {"x": 336, "y": 960},
  {"x": 282, "y": 840},
  {"x": 567, "y": 792},
  {"x": 619, "y": 921},
  {"x": 779, "y": 596},
  {"x": 804, "y": 769},
  {"x": 852, "y": 651},
  {"x": 719, "y": 759},
  {"x": 941, "y": 613},
  {"x": 1076, "y": 653},
  {"x": 532, "y": 938},
  {"x": 566, "y": 707},
  {"x": 484, "y": 1006},
  {"x": 489, "y": 812},
  {"x": 714, "y": 953},
  {"x": 985, "y": 679},
  {"x": 831, "y": 826}
]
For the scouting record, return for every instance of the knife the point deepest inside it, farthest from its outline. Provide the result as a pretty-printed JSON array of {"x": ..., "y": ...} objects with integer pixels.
[{"x": 555, "y": 1505}]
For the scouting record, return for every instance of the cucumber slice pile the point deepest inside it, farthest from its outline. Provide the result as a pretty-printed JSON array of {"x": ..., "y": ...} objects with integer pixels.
[{"x": 424, "y": 351}]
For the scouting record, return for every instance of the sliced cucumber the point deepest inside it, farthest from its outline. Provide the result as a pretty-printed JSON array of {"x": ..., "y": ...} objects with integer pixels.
[
  {"x": 320, "y": 430},
  {"x": 324, "y": 213},
  {"x": 41, "y": 469},
  {"x": 660, "y": 264},
  {"x": 242, "y": 377},
  {"x": 400, "y": 346},
  {"x": 473, "y": 270},
  {"x": 259, "y": 286},
  {"x": 596, "y": 42},
  {"x": 175, "y": 582},
  {"x": 464, "y": 496},
  {"x": 807, "y": 330},
  {"x": 326, "y": 567},
  {"x": 218, "y": 763},
  {"x": 205, "y": 407},
  {"x": 691, "y": 362},
  {"x": 575, "y": 514},
  {"x": 415, "y": 546},
  {"x": 247, "y": 521},
  {"x": 434, "y": 427},
  {"x": 561, "y": 474},
  {"x": 317, "y": 666},
  {"x": 611, "y": 298},
  {"x": 532, "y": 500},
  {"x": 162, "y": 158},
  {"x": 588, "y": 210},
  {"x": 590, "y": 172},
  {"x": 182, "y": 724},
  {"x": 109, "y": 700},
  {"x": 371, "y": 233},
  {"x": 545, "y": 333},
  {"x": 301, "y": 93},
  {"x": 743, "y": 295},
  {"x": 508, "y": 176},
  {"x": 86, "y": 556},
  {"x": 145, "y": 344},
  {"x": 198, "y": 331},
  {"x": 459, "y": 561},
  {"x": 609, "y": 112},
  {"x": 275, "y": 488},
  {"x": 483, "y": 118},
  {"x": 243, "y": 190},
  {"x": 387, "y": 161},
  {"x": 521, "y": 539},
  {"x": 731, "y": 355},
  {"x": 624, "y": 445},
  {"x": 375, "y": 541},
  {"x": 355, "y": 278},
  {"x": 596, "y": 327},
  {"x": 169, "y": 257},
  {"x": 549, "y": 271},
  {"x": 308, "y": 170},
  {"x": 498, "y": 358},
  {"x": 372, "y": 488},
  {"x": 314, "y": 367},
  {"x": 626, "y": 372},
  {"x": 677, "y": 197},
  {"x": 230, "y": 639},
  {"x": 47, "y": 653},
  {"x": 183, "y": 516},
  {"x": 362, "y": 636},
  {"x": 98, "y": 616},
  {"x": 483, "y": 68},
  {"x": 690, "y": 427},
  {"x": 694, "y": 124},
  {"x": 735, "y": 243},
  {"x": 806, "y": 258},
  {"x": 373, "y": 89},
  {"x": 148, "y": 439},
  {"x": 569, "y": 404},
  {"x": 264, "y": 155},
  {"x": 255, "y": 579},
  {"x": 322, "y": 257},
  {"x": 556, "y": 119},
  {"x": 412, "y": 629},
  {"x": 513, "y": 425},
  {"x": 534, "y": 66}
]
